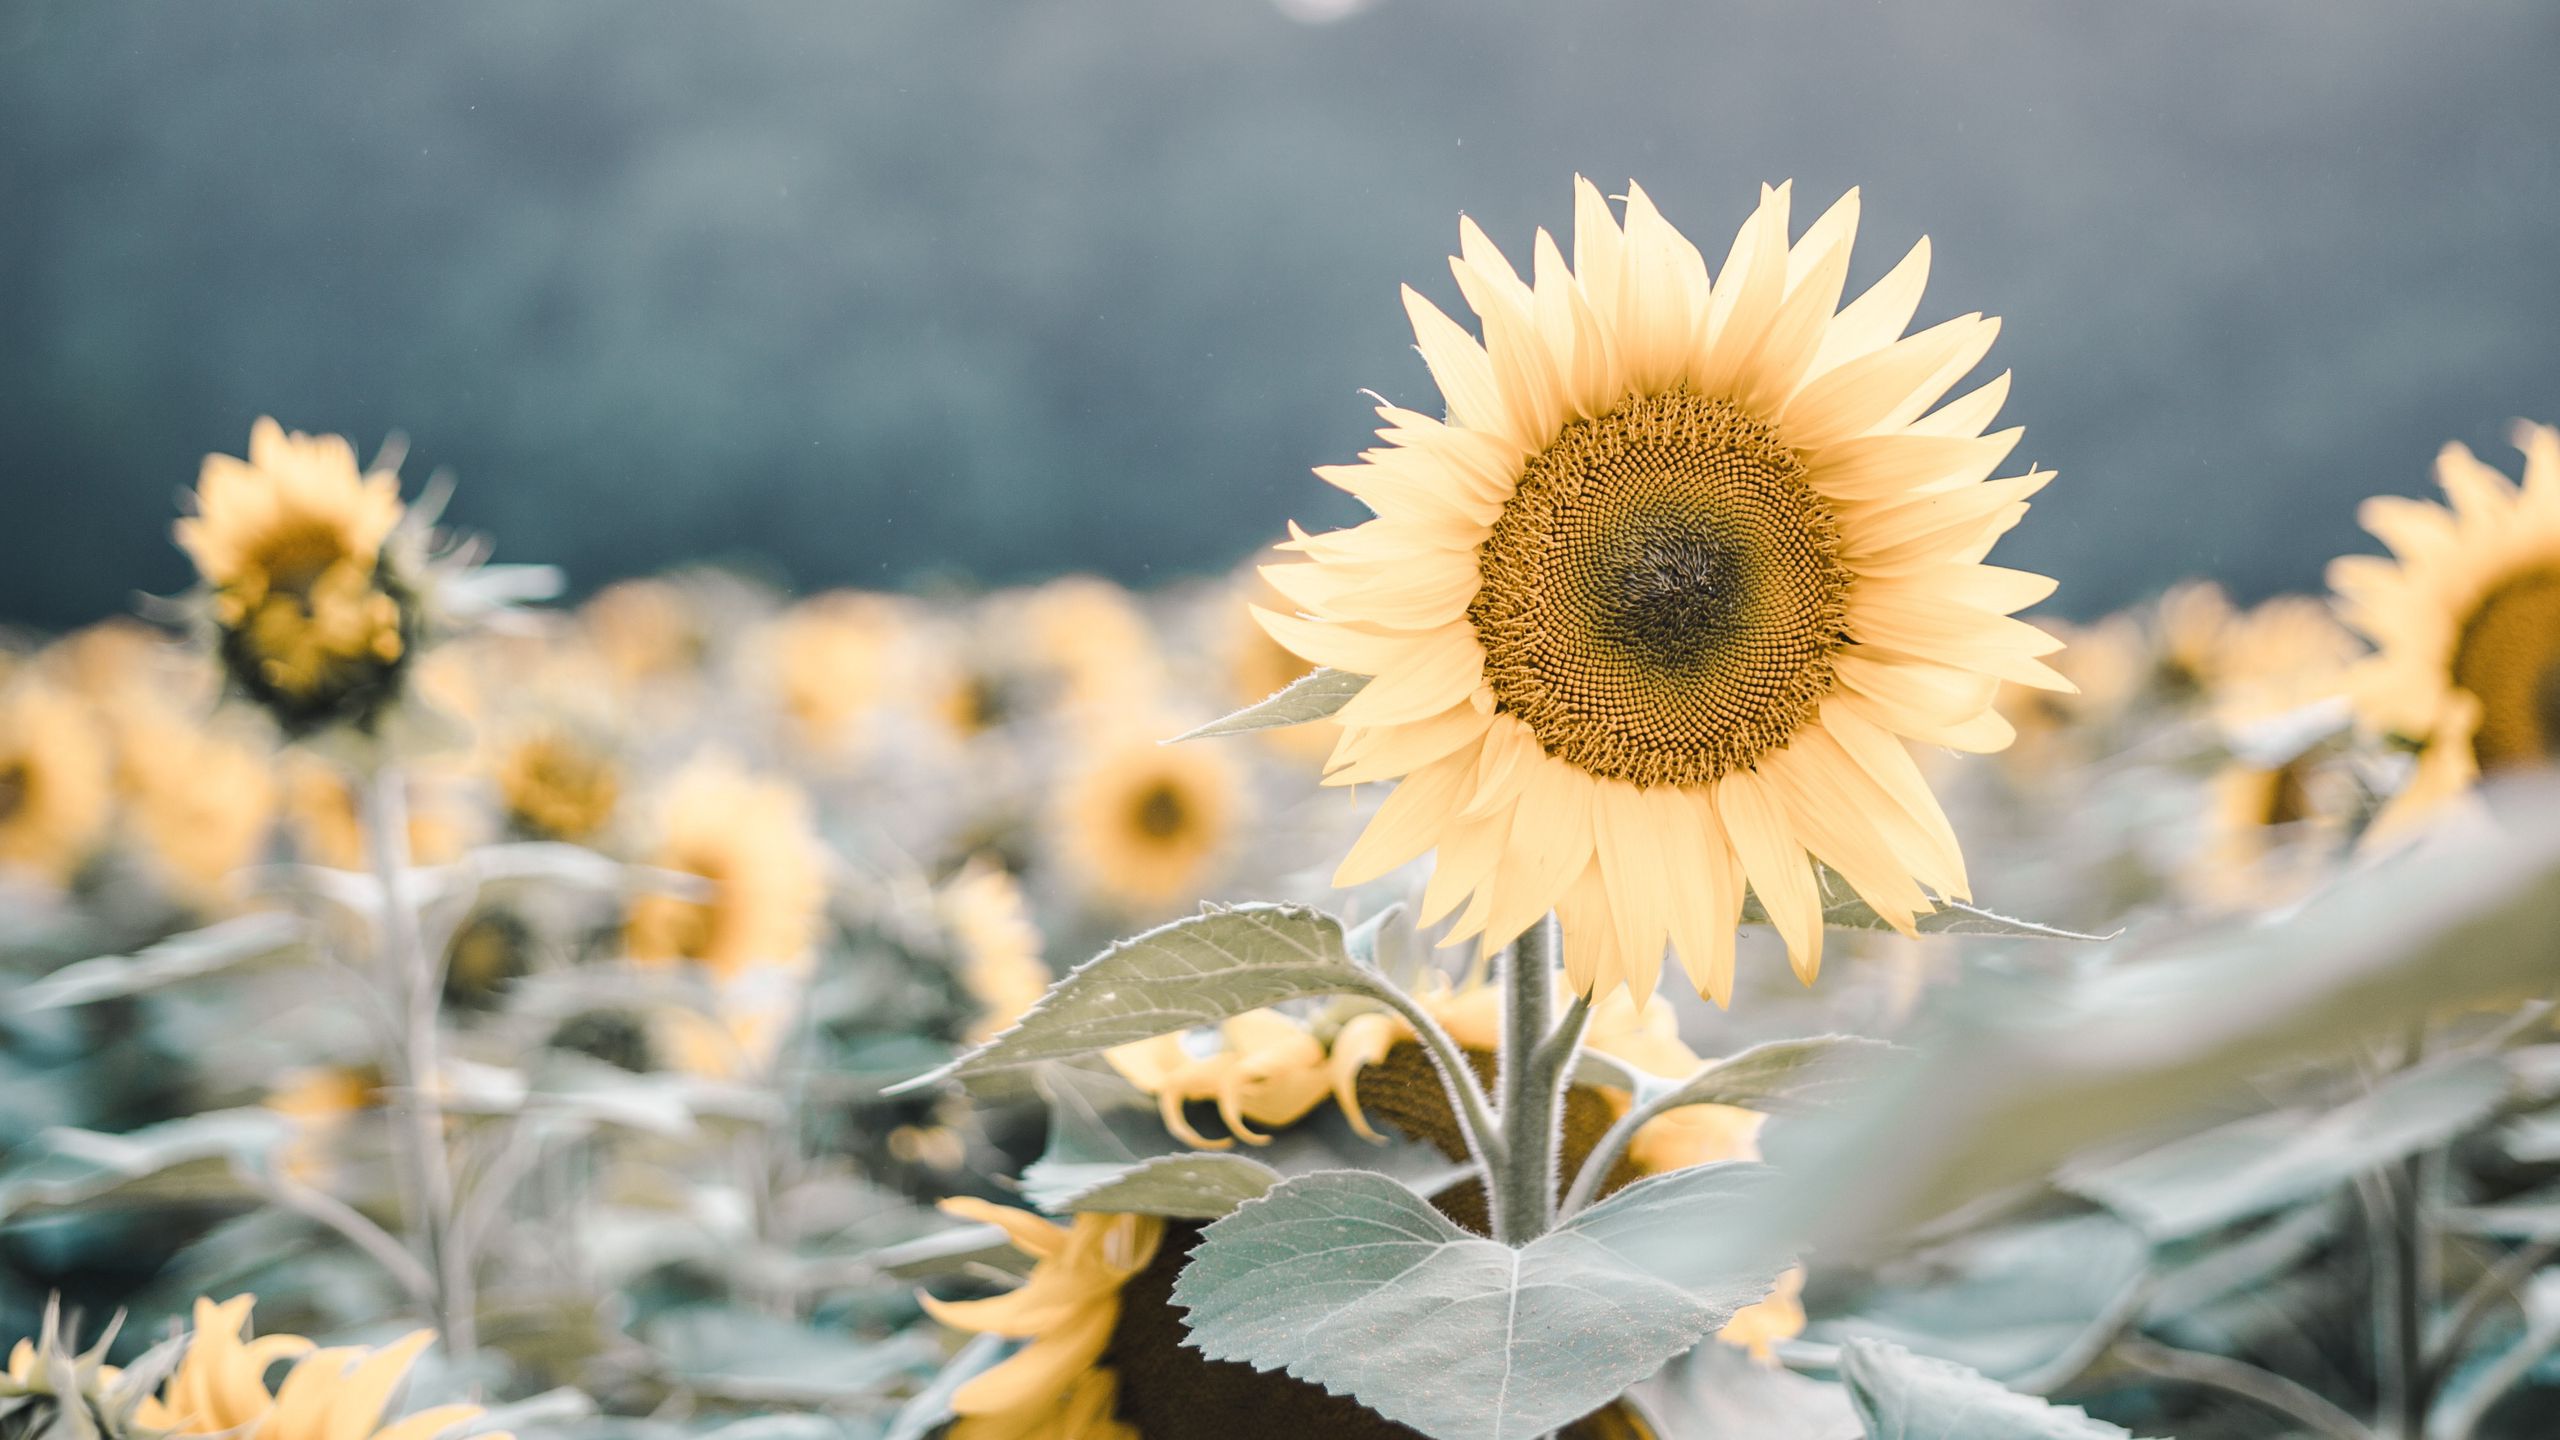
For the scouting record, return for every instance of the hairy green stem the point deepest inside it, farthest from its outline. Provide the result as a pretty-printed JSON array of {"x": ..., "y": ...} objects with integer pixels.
[
  {"x": 1536, "y": 1052},
  {"x": 1466, "y": 1096},
  {"x": 414, "y": 978}
]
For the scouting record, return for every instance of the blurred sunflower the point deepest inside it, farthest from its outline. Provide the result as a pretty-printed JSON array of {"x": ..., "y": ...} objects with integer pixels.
[
  {"x": 44, "y": 1379},
  {"x": 199, "y": 799},
  {"x": 1650, "y": 614},
  {"x": 1090, "y": 638},
  {"x": 2465, "y": 619},
  {"x": 220, "y": 1387},
  {"x": 645, "y": 631},
  {"x": 836, "y": 660},
  {"x": 1143, "y": 824},
  {"x": 753, "y": 839},
  {"x": 2267, "y": 817},
  {"x": 556, "y": 783},
  {"x": 1106, "y": 1358},
  {"x": 314, "y": 626},
  {"x": 998, "y": 944},
  {"x": 55, "y": 795},
  {"x": 321, "y": 1101}
]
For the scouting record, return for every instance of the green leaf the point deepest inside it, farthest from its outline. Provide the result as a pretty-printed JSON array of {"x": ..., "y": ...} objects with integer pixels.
[
  {"x": 198, "y": 1157},
  {"x": 1777, "y": 1077},
  {"x": 1350, "y": 1281},
  {"x": 1952, "y": 917},
  {"x": 207, "y": 951},
  {"x": 1902, "y": 1396},
  {"x": 1198, "y": 971},
  {"x": 961, "y": 1250},
  {"x": 2029, "y": 1305},
  {"x": 1312, "y": 696},
  {"x": 1717, "y": 1392},
  {"x": 2252, "y": 1166},
  {"x": 2149, "y": 1043}
]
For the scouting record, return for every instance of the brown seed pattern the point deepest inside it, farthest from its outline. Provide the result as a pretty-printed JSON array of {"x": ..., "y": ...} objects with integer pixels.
[
  {"x": 1663, "y": 593},
  {"x": 2508, "y": 655}
]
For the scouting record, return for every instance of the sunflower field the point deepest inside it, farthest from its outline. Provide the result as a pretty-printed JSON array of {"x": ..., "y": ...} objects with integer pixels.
[{"x": 1637, "y": 938}]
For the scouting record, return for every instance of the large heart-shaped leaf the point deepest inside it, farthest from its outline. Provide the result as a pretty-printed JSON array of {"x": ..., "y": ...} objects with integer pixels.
[
  {"x": 1198, "y": 971},
  {"x": 1315, "y": 695},
  {"x": 1351, "y": 1281},
  {"x": 1902, "y": 1396}
]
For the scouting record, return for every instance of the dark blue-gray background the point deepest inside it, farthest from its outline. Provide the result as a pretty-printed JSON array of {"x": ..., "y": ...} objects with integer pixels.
[{"x": 871, "y": 291}]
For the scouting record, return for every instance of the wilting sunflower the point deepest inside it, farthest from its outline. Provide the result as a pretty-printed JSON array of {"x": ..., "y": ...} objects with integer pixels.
[
  {"x": 314, "y": 625},
  {"x": 754, "y": 841},
  {"x": 1143, "y": 824},
  {"x": 2466, "y": 624},
  {"x": 54, "y": 782},
  {"x": 220, "y": 1387},
  {"x": 1651, "y": 612},
  {"x": 998, "y": 945}
]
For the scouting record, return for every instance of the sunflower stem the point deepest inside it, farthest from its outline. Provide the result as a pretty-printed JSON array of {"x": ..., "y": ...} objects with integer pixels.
[
  {"x": 1523, "y": 1192},
  {"x": 414, "y": 980}
]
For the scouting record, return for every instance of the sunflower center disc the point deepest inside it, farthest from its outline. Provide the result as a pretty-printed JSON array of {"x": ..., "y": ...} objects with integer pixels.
[
  {"x": 1662, "y": 593},
  {"x": 2508, "y": 656}
]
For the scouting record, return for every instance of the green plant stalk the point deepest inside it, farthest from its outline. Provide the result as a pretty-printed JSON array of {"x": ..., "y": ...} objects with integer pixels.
[
  {"x": 415, "y": 981},
  {"x": 1537, "y": 1052},
  {"x": 1458, "y": 1079}
]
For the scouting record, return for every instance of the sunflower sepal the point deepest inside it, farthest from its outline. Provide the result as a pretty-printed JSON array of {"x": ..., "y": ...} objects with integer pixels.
[
  {"x": 48, "y": 1391},
  {"x": 1352, "y": 1281},
  {"x": 1317, "y": 695}
]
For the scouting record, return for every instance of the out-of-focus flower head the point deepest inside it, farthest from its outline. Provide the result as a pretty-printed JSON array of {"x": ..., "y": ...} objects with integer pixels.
[
  {"x": 55, "y": 791},
  {"x": 1088, "y": 638},
  {"x": 322, "y": 815},
  {"x": 997, "y": 943},
  {"x": 322, "y": 1101},
  {"x": 220, "y": 1387},
  {"x": 836, "y": 659},
  {"x": 1142, "y": 825},
  {"x": 753, "y": 839},
  {"x": 2465, "y": 621},
  {"x": 316, "y": 619},
  {"x": 556, "y": 782}
]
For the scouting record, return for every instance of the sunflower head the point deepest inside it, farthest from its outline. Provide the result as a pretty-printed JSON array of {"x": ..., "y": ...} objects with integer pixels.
[
  {"x": 1650, "y": 613},
  {"x": 55, "y": 785},
  {"x": 200, "y": 798},
  {"x": 836, "y": 660},
  {"x": 314, "y": 624},
  {"x": 996, "y": 942},
  {"x": 1143, "y": 824},
  {"x": 330, "y": 1394},
  {"x": 50, "y": 1391},
  {"x": 754, "y": 841},
  {"x": 1055, "y": 1385},
  {"x": 556, "y": 783},
  {"x": 2465, "y": 622}
]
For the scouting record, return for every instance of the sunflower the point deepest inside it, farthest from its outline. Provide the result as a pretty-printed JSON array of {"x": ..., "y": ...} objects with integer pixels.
[
  {"x": 998, "y": 945},
  {"x": 558, "y": 784},
  {"x": 1650, "y": 613},
  {"x": 2264, "y": 820},
  {"x": 201, "y": 800},
  {"x": 1144, "y": 824},
  {"x": 220, "y": 1387},
  {"x": 1090, "y": 638},
  {"x": 1053, "y": 1387},
  {"x": 44, "y": 1379},
  {"x": 836, "y": 660},
  {"x": 2466, "y": 624},
  {"x": 754, "y": 841},
  {"x": 322, "y": 1102},
  {"x": 55, "y": 794},
  {"x": 1263, "y": 1068},
  {"x": 646, "y": 631},
  {"x": 1107, "y": 1358},
  {"x": 290, "y": 542}
]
